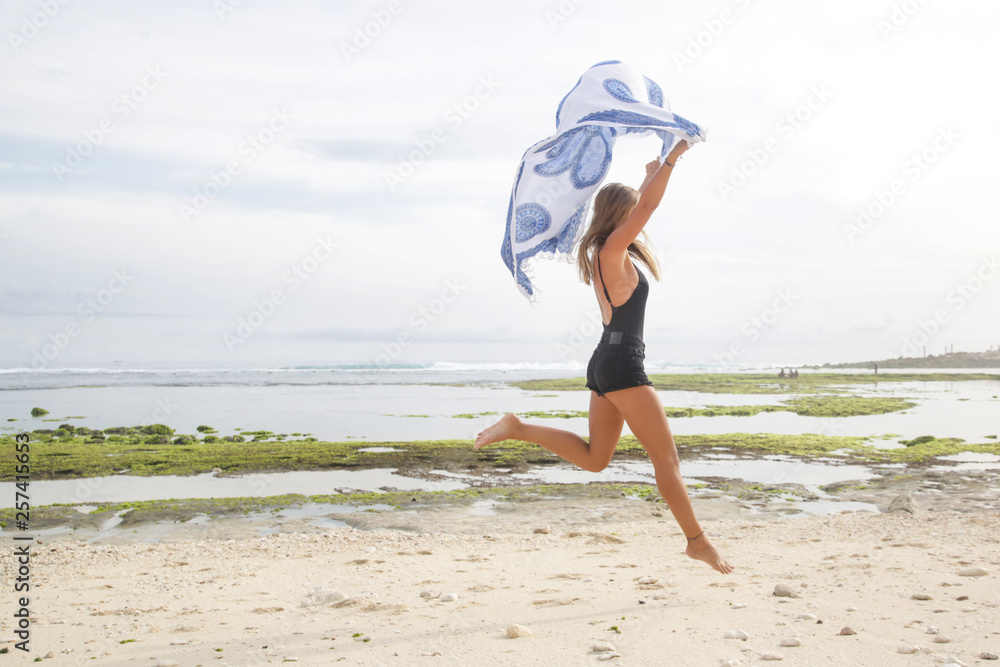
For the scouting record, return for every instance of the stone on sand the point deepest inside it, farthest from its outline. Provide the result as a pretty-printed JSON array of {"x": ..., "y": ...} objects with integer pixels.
[
  {"x": 602, "y": 647},
  {"x": 921, "y": 596},
  {"x": 785, "y": 591},
  {"x": 772, "y": 656},
  {"x": 846, "y": 630},
  {"x": 449, "y": 597},
  {"x": 973, "y": 572},
  {"x": 904, "y": 502},
  {"x": 987, "y": 656},
  {"x": 908, "y": 650},
  {"x": 515, "y": 630},
  {"x": 791, "y": 641},
  {"x": 736, "y": 634},
  {"x": 542, "y": 530}
]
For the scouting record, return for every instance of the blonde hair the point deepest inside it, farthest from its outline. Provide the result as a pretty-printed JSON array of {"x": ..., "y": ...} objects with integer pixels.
[{"x": 611, "y": 206}]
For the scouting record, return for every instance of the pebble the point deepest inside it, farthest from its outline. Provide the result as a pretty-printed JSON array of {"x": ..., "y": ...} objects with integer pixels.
[
  {"x": 806, "y": 617},
  {"x": 932, "y": 630},
  {"x": 942, "y": 639},
  {"x": 739, "y": 605},
  {"x": 647, "y": 580},
  {"x": 425, "y": 594},
  {"x": 908, "y": 650},
  {"x": 921, "y": 596},
  {"x": 772, "y": 656},
  {"x": 852, "y": 609},
  {"x": 785, "y": 591},
  {"x": 973, "y": 572},
  {"x": 449, "y": 597},
  {"x": 987, "y": 656},
  {"x": 730, "y": 663},
  {"x": 791, "y": 641},
  {"x": 514, "y": 630},
  {"x": 736, "y": 634},
  {"x": 50, "y": 654},
  {"x": 846, "y": 630},
  {"x": 952, "y": 660},
  {"x": 960, "y": 598},
  {"x": 602, "y": 647},
  {"x": 542, "y": 530}
]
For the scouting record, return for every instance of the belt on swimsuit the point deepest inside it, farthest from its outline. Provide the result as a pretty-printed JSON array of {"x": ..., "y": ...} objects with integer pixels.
[{"x": 620, "y": 338}]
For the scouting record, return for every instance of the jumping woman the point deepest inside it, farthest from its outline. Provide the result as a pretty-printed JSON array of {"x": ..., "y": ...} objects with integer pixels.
[{"x": 619, "y": 389}]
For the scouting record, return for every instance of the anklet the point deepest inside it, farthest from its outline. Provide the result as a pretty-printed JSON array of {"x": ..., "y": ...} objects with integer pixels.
[{"x": 692, "y": 539}]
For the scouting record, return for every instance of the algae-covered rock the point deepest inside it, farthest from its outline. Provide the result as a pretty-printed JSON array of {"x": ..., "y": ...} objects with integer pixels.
[{"x": 39, "y": 412}]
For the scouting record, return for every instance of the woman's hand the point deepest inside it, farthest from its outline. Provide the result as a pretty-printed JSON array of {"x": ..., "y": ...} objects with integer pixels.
[
  {"x": 677, "y": 151},
  {"x": 651, "y": 167}
]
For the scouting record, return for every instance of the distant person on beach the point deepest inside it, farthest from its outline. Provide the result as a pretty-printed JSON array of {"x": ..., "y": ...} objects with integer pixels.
[
  {"x": 782, "y": 373},
  {"x": 620, "y": 391}
]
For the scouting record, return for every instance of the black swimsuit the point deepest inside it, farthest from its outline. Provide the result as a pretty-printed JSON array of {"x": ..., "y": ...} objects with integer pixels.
[{"x": 617, "y": 362}]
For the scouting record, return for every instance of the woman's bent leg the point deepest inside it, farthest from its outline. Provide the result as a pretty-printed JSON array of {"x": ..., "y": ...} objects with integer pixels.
[
  {"x": 643, "y": 411},
  {"x": 606, "y": 424}
]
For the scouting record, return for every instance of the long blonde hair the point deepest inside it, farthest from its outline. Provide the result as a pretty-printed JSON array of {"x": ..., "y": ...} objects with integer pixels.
[{"x": 611, "y": 206}]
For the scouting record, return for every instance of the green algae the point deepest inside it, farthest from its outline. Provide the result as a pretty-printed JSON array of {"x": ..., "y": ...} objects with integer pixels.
[
  {"x": 73, "y": 455},
  {"x": 183, "y": 509},
  {"x": 758, "y": 383},
  {"x": 835, "y": 405}
]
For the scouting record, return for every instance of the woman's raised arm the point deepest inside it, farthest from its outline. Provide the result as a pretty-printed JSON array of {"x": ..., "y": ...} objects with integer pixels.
[{"x": 651, "y": 192}]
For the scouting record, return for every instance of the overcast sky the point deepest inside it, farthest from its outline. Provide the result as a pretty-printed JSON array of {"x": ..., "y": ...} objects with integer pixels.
[{"x": 248, "y": 183}]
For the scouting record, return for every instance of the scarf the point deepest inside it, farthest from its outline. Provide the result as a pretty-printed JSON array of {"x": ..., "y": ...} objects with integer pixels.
[{"x": 557, "y": 176}]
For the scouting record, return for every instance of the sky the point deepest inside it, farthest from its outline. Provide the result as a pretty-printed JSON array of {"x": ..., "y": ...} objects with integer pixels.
[{"x": 241, "y": 183}]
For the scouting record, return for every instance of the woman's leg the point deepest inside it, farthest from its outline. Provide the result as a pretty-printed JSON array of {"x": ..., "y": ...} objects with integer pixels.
[
  {"x": 643, "y": 411},
  {"x": 605, "y": 428}
]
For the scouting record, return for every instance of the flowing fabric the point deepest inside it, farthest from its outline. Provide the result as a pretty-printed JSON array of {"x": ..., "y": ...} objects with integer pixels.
[{"x": 558, "y": 176}]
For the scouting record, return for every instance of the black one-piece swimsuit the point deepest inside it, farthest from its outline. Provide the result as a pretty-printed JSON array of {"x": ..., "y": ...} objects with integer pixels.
[{"x": 617, "y": 363}]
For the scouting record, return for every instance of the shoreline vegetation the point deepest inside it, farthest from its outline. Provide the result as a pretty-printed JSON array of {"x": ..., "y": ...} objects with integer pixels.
[
  {"x": 988, "y": 359},
  {"x": 761, "y": 383},
  {"x": 805, "y": 406},
  {"x": 156, "y": 450}
]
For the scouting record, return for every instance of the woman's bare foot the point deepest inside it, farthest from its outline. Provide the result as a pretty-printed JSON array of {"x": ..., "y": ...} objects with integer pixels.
[
  {"x": 505, "y": 429},
  {"x": 701, "y": 549}
]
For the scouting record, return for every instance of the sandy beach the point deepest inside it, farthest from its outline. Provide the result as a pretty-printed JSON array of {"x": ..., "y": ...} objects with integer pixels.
[{"x": 597, "y": 586}]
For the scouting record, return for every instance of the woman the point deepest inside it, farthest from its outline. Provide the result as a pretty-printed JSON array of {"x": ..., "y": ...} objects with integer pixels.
[{"x": 620, "y": 390}]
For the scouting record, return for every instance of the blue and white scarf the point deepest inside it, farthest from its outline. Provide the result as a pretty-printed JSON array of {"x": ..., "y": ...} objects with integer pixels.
[{"x": 557, "y": 176}]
